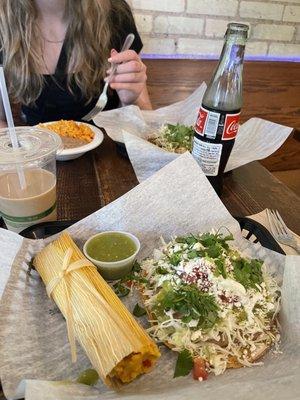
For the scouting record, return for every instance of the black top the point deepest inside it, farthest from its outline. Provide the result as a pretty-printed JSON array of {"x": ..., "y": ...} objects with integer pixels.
[{"x": 56, "y": 102}]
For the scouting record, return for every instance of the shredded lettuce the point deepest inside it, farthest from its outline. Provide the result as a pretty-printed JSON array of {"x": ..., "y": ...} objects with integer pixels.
[
  {"x": 175, "y": 138},
  {"x": 210, "y": 300}
]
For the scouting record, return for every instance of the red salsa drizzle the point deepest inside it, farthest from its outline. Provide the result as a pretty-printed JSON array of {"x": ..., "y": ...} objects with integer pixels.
[{"x": 147, "y": 363}]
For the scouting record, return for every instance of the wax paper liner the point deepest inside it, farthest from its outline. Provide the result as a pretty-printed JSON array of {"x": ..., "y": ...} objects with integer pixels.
[{"x": 34, "y": 350}]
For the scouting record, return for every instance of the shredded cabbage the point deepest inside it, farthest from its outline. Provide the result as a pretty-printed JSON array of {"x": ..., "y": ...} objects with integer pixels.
[{"x": 207, "y": 298}]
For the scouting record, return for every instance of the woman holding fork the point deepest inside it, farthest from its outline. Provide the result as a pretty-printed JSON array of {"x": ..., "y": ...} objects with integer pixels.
[{"x": 57, "y": 54}]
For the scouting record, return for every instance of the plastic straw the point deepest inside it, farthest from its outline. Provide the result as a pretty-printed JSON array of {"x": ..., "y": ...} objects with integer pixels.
[{"x": 11, "y": 126}]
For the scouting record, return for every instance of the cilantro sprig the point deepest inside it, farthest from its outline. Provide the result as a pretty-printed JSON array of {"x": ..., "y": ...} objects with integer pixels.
[
  {"x": 248, "y": 272},
  {"x": 120, "y": 289},
  {"x": 161, "y": 271},
  {"x": 189, "y": 302},
  {"x": 184, "y": 364},
  {"x": 221, "y": 268},
  {"x": 214, "y": 247},
  {"x": 121, "y": 286},
  {"x": 215, "y": 242},
  {"x": 179, "y": 135},
  {"x": 138, "y": 311}
]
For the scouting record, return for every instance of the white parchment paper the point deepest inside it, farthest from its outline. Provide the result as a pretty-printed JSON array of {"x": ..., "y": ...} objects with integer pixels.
[
  {"x": 142, "y": 123},
  {"x": 7, "y": 255},
  {"x": 257, "y": 138},
  {"x": 177, "y": 200}
]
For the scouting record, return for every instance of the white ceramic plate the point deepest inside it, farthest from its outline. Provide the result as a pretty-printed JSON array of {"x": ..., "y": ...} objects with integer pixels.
[{"x": 75, "y": 152}]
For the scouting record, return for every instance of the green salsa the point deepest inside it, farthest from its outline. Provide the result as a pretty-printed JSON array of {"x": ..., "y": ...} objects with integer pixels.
[
  {"x": 88, "y": 377},
  {"x": 111, "y": 247}
]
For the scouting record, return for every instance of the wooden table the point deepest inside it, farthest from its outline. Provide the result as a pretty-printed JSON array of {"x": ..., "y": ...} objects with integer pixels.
[
  {"x": 101, "y": 176},
  {"x": 271, "y": 91}
]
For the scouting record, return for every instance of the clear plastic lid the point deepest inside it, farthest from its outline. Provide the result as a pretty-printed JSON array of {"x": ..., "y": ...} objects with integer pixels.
[{"x": 36, "y": 146}]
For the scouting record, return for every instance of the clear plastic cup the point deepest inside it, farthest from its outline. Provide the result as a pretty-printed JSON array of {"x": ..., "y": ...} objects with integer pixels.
[{"x": 21, "y": 208}]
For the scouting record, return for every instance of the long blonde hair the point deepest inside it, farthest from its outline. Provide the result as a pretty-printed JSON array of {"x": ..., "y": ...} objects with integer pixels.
[{"x": 87, "y": 41}]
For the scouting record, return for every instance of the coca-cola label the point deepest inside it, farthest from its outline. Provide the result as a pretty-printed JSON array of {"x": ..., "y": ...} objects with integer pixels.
[
  {"x": 231, "y": 126},
  {"x": 211, "y": 123},
  {"x": 201, "y": 120}
]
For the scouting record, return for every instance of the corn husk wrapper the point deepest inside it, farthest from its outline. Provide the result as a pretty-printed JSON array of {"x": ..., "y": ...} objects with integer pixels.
[{"x": 117, "y": 346}]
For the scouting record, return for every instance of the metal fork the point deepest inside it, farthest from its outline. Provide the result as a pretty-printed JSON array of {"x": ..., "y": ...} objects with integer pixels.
[
  {"x": 102, "y": 101},
  {"x": 280, "y": 231}
]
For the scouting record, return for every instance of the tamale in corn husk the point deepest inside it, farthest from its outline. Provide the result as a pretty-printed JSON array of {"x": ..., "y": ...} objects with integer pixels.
[{"x": 117, "y": 346}]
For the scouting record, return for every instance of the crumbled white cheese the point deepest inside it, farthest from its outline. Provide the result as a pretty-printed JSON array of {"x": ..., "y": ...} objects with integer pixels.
[{"x": 198, "y": 246}]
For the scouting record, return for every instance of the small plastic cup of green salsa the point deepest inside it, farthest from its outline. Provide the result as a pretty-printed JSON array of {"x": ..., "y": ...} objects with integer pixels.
[{"x": 113, "y": 253}]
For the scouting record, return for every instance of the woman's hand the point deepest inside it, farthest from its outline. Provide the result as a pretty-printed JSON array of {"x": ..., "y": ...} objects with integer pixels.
[{"x": 130, "y": 78}]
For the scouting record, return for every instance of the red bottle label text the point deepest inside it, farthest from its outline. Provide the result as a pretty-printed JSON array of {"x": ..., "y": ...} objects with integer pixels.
[{"x": 231, "y": 126}]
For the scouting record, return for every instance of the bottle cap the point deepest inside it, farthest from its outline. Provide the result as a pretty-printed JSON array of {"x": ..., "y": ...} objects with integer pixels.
[{"x": 234, "y": 28}]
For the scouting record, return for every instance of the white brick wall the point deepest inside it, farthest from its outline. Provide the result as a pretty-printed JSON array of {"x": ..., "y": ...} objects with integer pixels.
[
  {"x": 258, "y": 49},
  {"x": 212, "y": 7},
  {"x": 215, "y": 27},
  {"x": 292, "y": 13},
  {"x": 298, "y": 34},
  {"x": 153, "y": 45},
  {"x": 280, "y": 49},
  {"x": 273, "y": 32},
  {"x": 258, "y": 10},
  {"x": 208, "y": 47},
  {"x": 159, "y": 5},
  {"x": 166, "y": 24},
  {"x": 196, "y": 27},
  {"x": 144, "y": 23}
]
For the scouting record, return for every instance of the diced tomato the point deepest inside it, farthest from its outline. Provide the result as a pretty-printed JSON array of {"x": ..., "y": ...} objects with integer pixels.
[
  {"x": 147, "y": 363},
  {"x": 199, "y": 370}
]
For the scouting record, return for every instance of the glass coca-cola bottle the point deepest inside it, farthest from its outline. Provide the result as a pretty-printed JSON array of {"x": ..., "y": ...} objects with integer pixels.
[{"x": 218, "y": 120}]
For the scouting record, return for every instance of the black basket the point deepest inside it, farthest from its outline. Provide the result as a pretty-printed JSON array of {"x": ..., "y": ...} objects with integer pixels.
[
  {"x": 121, "y": 150},
  {"x": 257, "y": 233},
  {"x": 45, "y": 229},
  {"x": 251, "y": 230}
]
